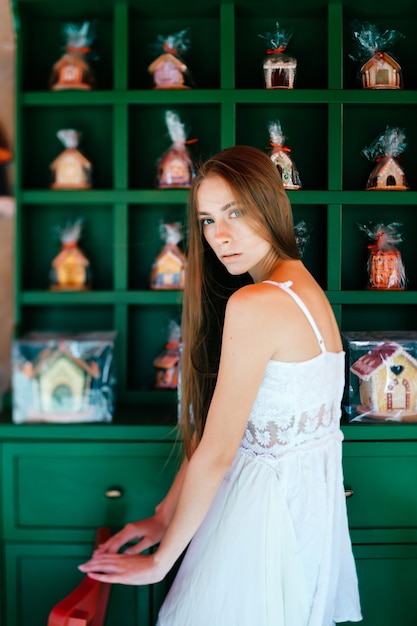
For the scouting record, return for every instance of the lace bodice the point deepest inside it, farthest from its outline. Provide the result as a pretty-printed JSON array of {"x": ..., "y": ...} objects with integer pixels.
[{"x": 297, "y": 403}]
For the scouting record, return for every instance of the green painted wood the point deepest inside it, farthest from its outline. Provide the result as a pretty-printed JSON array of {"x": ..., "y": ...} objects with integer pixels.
[
  {"x": 387, "y": 582},
  {"x": 335, "y": 45},
  {"x": 334, "y": 247},
  {"x": 328, "y": 121},
  {"x": 59, "y": 489},
  {"x": 381, "y": 474},
  {"x": 40, "y": 575},
  {"x": 177, "y": 196},
  {"x": 227, "y": 42},
  {"x": 102, "y": 297},
  {"x": 121, "y": 45}
]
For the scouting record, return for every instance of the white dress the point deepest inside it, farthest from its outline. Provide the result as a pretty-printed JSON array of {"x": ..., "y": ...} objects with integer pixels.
[{"x": 274, "y": 548}]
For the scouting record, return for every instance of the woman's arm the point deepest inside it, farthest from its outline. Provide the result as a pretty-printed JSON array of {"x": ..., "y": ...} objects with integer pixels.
[{"x": 246, "y": 349}]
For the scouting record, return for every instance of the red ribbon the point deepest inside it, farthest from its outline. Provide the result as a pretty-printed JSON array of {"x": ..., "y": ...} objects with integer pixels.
[
  {"x": 277, "y": 50},
  {"x": 81, "y": 50},
  {"x": 170, "y": 50},
  {"x": 283, "y": 148},
  {"x": 375, "y": 247}
]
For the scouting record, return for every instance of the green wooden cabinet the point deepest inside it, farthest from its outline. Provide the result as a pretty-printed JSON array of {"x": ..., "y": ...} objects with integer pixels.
[
  {"x": 380, "y": 463},
  {"x": 51, "y": 476},
  {"x": 39, "y": 575},
  {"x": 57, "y": 487}
]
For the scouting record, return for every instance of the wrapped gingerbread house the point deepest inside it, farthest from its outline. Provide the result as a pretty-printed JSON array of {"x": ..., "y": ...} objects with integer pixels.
[
  {"x": 279, "y": 68},
  {"x": 71, "y": 169},
  {"x": 168, "y": 70},
  {"x": 175, "y": 167},
  {"x": 385, "y": 265},
  {"x": 387, "y": 175},
  {"x": 73, "y": 70},
  {"x": 281, "y": 158},
  {"x": 379, "y": 70},
  {"x": 382, "y": 377},
  {"x": 167, "y": 363},
  {"x": 70, "y": 269},
  {"x": 168, "y": 270},
  {"x": 63, "y": 378}
]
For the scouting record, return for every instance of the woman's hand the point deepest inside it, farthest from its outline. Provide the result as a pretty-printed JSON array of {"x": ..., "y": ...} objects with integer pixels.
[
  {"x": 147, "y": 533},
  {"x": 125, "y": 569}
]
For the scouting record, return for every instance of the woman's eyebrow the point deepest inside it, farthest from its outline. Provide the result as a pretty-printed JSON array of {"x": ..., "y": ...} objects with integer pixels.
[{"x": 223, "y": 208}]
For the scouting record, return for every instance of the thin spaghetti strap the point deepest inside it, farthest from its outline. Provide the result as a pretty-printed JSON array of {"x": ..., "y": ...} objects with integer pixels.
[{"x": 287, "y": 288}]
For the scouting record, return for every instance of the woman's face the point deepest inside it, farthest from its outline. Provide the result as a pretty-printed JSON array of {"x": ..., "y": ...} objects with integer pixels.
[{"x": 228, "y": 230}]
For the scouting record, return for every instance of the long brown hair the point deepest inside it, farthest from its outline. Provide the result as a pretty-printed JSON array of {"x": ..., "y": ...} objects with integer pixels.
[{"x": 256, "y": 184}]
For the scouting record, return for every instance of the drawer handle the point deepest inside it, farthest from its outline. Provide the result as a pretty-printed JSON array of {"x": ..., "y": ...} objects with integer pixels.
[
  {"x": 349, "y": 493},
  {"x": 113, "y": 493}
]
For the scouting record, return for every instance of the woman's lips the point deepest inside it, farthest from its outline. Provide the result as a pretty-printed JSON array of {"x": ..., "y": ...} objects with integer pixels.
[{"x": 230, "y": 256}]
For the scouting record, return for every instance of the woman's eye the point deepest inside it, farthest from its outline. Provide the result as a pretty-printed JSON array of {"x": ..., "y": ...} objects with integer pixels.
[
  {"x": 235, "y": 213},
  {"x": 206, "y": 221}
]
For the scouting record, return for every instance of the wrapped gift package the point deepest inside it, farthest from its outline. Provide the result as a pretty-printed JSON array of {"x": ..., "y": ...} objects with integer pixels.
[
  {"x": 381, "y": 376},
  {"x": 63, "y": 378}
]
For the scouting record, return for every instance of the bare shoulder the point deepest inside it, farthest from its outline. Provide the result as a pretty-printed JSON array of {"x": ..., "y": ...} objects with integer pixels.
[{"x": 258, "y": 303}]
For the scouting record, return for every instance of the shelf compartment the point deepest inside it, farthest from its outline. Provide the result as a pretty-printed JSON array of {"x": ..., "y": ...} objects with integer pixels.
[
  {"x": 362, "y": 125},
  {"x": 40, "y": 242},
  {"x": 148, "y": 329},
  {"x": 43, "y": 44},
  {"x": 314, "y": 256},
  {"x": 204, "y": 35},
  {"x": 145, "y": 241},
  {"x": 355, "y": 242},
  {"x": 66, "y": 318},
  {"x": 307, "y": 45},
  {"x": 305, "y": 128},
  {"x": 384, "y": 19},
  {"x": 371, "y": 317},
  {"x": 41, "y": 145},
  {"x": 149, "y": 138}
]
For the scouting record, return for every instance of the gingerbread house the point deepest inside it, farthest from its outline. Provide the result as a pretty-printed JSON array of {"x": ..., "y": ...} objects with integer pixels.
[
  {"x": 62, "y": 383},
  {"x": 166, "y": 365},
  {"x": 285, "y": 166},
  {"x": 386, "y": 270},
  {"x": 381, "y": 71},
  {"x": 175, "y": 169},
  {"x": 71, "y": 170},
  {"x": 168, "y": 271},
  {"x": 279, "y": 71},
  {"x": 388, "y": 379},
  {"x": 168, "y": 72},
  {"x": 387, "y": 175},
  {"x": 71, "y": 72},
  {"x": 63, "y": 378},
  {"x": 70, "y": 269}
]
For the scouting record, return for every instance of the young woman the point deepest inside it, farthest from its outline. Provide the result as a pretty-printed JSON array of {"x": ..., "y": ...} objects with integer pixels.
[{"x": 259, "y": 499}]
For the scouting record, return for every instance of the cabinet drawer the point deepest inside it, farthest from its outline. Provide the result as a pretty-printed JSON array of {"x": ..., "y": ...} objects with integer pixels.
[
  {"x": 40, "y": 575},
  {"x": 61, "y": 491},
  {"x": 382, "y": 476}
]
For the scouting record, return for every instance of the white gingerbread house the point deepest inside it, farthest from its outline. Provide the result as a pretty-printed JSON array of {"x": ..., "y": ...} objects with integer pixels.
[{"x": 388, "y": 379}]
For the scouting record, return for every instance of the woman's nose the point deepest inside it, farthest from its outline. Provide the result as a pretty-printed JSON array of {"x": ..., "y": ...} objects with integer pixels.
[{"x": 222, "y": 234}]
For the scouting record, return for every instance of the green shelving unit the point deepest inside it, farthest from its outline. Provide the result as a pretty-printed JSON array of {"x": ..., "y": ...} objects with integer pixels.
[{"x": 327, "y": 119}]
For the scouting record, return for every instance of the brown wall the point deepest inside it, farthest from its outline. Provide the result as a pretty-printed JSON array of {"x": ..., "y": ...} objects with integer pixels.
[{"x": 7, "y": 71}]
